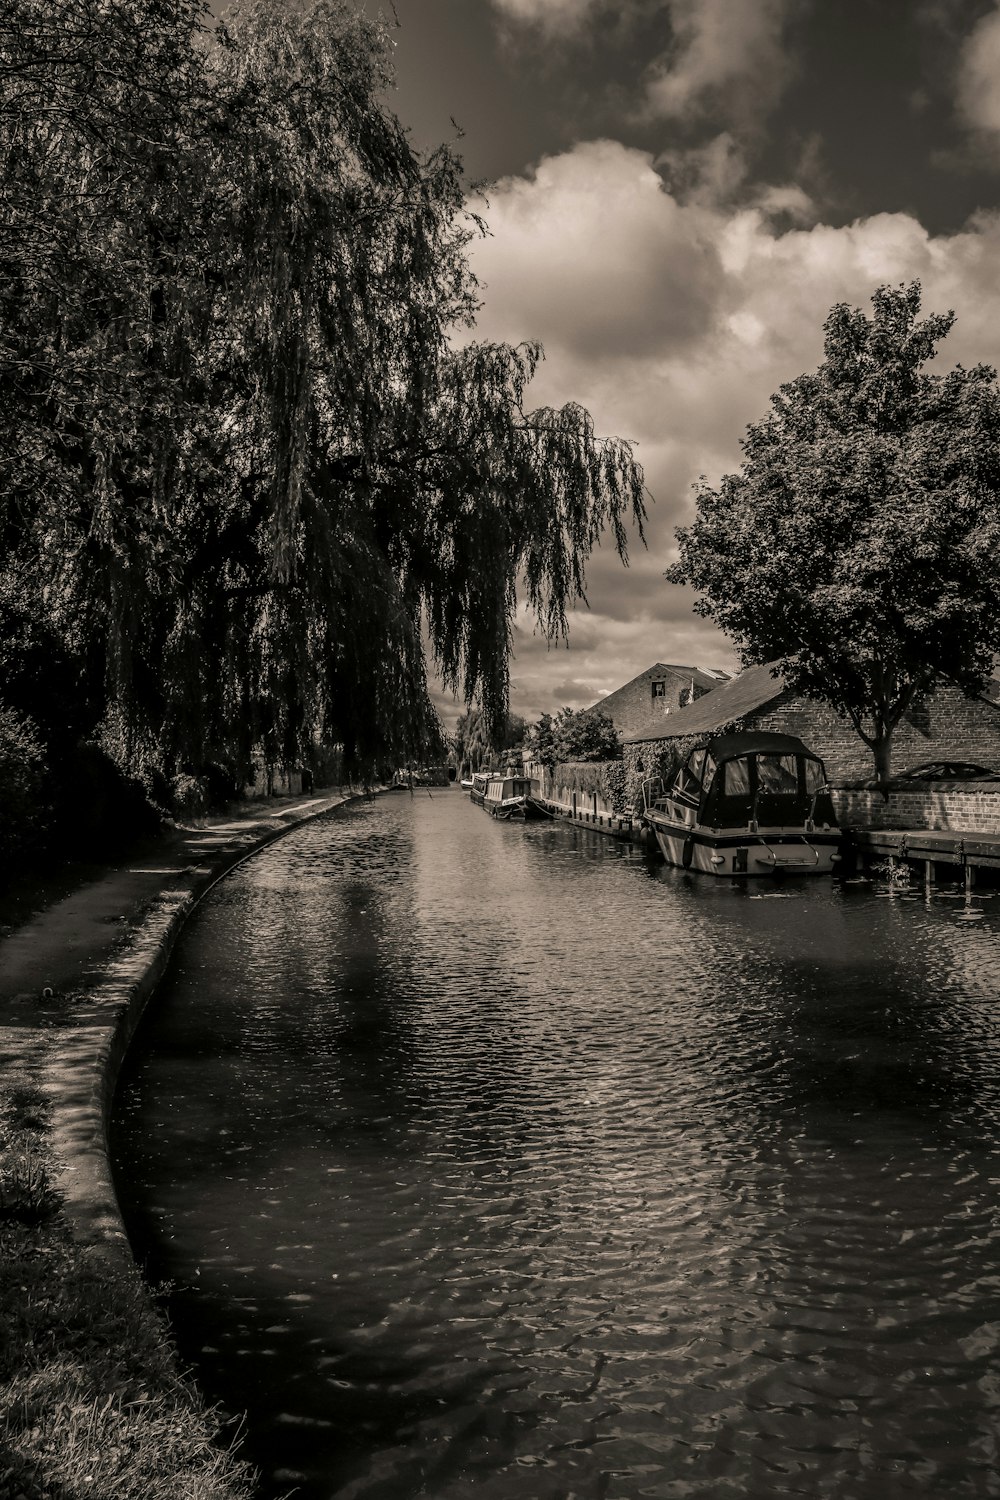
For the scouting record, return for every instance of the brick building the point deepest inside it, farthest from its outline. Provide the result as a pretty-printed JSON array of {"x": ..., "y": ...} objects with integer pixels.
[
  {"x": 945, "y": 726},
  {"x": 656, "y": 693}
]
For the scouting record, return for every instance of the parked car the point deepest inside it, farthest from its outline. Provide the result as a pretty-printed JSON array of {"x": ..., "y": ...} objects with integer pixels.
[{"x": 947, "y": 770}]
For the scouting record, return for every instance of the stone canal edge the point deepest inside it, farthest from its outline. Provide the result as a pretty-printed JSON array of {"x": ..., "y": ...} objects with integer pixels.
[{"x": 88, "y": 1042}]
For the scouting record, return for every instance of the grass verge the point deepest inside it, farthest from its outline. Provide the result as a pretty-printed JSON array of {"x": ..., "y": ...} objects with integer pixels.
[{"x": 92, "y": 1401}]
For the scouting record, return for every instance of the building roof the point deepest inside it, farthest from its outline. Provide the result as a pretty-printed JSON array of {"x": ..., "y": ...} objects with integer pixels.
[
  {"x": 707, "y": 681},
  {"x": 726, "y": 702}
]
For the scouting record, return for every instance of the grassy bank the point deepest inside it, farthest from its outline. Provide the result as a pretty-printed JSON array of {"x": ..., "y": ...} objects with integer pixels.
[{"x": 91, "y": 1398}]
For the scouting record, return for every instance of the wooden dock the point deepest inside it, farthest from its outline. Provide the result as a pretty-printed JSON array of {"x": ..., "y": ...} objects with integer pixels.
[
  {"x": 963, "y": 853},
  {"x": 615, "y": 825}
]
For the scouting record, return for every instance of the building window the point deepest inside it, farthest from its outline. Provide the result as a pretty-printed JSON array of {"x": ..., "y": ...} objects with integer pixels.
[{"x": 659, "y": 687}]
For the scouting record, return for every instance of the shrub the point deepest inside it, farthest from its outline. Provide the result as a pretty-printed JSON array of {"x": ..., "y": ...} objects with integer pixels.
[
  {"x": 188, "y": 796},
  {"x": 24, "y": 809},
  {"x": 26, "y": 1196},
  {"x": 100, "y": 809}
]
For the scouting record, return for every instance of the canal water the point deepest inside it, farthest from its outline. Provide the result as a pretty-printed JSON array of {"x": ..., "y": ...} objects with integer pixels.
[{"x": 501, "y": 1161}]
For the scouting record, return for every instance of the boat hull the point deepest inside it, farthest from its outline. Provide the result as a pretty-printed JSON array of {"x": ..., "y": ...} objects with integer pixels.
[
  {"x": 519, "y": 809},
  {"x": 777, "y": 851}
]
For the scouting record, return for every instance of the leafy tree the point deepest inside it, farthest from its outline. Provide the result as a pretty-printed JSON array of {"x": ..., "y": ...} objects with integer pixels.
[
  {"x": 542, "y": 740},
  {"x": 857, "y": 547},
  {"x": 477, "y": 746},
  {"x": 588, "y": 734},
  {"x": 258, "y": 484},
  {"x": 585, "y": 734},
  {"x": 24, "y": 810}
]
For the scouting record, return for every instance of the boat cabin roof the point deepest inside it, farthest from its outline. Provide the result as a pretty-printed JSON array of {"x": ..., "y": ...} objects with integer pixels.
[{"x": 753, "y": 742}]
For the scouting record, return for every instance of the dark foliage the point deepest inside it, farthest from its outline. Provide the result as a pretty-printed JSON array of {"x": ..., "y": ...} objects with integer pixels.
[
  {"x": 858, "y": 546},
  {"x": 254, "y": 483}
]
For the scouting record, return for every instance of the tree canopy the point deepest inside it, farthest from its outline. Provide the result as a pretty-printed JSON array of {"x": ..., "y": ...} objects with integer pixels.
[
  {"x": 583, "y": 734},
  {"x": 858, "y": 545},
  {"x": 479, "y": 745},
  {"x": 250, "y": 476}
]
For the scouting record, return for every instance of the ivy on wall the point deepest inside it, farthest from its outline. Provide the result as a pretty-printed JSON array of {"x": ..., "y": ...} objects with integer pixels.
[
  {"x": 661, "y": 759},
  {"x": 606, "y": 778}
]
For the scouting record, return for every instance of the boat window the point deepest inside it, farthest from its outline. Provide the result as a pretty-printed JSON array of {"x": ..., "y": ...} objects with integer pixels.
[
  {"x": 697, "y": 764},
  {"x": 815, "y": 777},
  {"x": 737, "y": 777},
  {"x": 777, "y": 774},
  {"x": 687, "y": 785}
]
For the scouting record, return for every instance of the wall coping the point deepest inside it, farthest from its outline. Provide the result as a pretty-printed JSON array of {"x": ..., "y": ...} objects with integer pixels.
[{"x": 81, "y": 1069}]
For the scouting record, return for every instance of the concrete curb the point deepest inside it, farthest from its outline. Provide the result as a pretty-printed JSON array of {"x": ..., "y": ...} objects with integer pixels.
[{"x": 83, "y": 1065}]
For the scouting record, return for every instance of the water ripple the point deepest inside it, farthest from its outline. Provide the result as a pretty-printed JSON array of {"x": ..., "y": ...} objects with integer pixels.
[{"x": 496, "y": 1161}]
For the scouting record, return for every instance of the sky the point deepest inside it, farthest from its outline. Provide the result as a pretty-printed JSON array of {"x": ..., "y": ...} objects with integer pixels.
[{"x": 677, "y": 192}]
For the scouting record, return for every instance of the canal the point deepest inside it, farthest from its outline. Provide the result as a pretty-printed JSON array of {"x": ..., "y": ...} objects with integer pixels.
[{"x": 501, "y": 1161}]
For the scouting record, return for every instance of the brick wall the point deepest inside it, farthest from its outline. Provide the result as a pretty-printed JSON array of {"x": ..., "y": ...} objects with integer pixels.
[
  {"x": 632, "y": 707},
  {"x": 970, "y": 807},
  {"x": 947, "y": 726}
]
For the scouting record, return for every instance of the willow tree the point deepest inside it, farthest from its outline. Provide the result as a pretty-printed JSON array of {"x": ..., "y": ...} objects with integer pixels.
[
  {"x": 278, "y": 487},
  {"x": 858, "y": 547}
]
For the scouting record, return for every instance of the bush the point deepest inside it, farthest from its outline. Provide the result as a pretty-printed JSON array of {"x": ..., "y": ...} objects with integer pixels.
[
  {"x": 188, "y": 796},
  {"x": 24, "y": 809},
  {"x": 100, "y": 810}
]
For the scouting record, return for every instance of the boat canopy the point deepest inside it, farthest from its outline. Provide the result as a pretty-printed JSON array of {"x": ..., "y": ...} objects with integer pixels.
[
  {"x": 755, "y": 742},
  {"x": 755, "y": 779}
]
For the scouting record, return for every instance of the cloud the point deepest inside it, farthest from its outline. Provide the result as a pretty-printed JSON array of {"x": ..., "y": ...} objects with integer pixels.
[
  {"x": 673, "y": 322},
  {"x": 727, "y": 54},
  {"x": 592, "y": 245},
  {"x": 730, "y": 55},
  {"x": 979, "y": 78},
  {"x": 549, "y": 15}
]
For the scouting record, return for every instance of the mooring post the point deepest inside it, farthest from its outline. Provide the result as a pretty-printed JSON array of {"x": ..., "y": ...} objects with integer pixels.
[{"x": 928, "y": 874}]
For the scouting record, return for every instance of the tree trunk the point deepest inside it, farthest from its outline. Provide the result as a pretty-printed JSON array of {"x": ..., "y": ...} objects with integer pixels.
[{"x": 882, "y": 751}]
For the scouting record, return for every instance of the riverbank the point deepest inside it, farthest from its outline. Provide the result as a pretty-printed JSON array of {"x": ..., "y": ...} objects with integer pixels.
[{"x": 92, "y": 1400}]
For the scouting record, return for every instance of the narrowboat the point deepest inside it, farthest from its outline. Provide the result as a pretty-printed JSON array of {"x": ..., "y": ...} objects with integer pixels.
[
  {"x": 511, "y": 797},
  {"x": 480, "y": 781},
  {"x": 748, "y": 803}
]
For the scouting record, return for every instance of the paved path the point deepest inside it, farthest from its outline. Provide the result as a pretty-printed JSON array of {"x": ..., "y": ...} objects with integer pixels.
[
  {"x": 75, "y": 979},
  {"x": 63, "y": 946}
]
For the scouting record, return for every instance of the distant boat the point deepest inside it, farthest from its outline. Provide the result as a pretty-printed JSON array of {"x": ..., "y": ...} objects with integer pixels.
[
  {"x": 511, "y": 797},
  {"x": 466, "y": 784},
  {"x": 480, "y": 781},
  {"x": 747, "y": 804}
]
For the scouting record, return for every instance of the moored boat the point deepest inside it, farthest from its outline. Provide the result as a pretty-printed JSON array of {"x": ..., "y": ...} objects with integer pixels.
[
  {"x": 748, "y": 803},
  {"x": 512, "y": 797},
  {"x": 480, "y": 781}
]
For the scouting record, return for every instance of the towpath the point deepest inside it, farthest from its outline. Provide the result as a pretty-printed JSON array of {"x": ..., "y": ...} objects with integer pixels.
[{"x": 75, "y": 978}]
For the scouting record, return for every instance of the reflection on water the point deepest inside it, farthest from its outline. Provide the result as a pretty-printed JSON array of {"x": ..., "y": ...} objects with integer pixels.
[{"x": 499, "y": 1161}]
